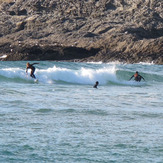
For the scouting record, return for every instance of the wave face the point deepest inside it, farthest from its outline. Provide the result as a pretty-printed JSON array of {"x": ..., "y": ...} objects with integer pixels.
[{"x": 80, "y": 73}]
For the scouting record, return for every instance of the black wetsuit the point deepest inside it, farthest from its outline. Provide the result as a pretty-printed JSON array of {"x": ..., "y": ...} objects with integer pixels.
[
  {"x": 137, "y": 77},
  {"x": 96, "y": 84},
  {"x": 32, "y": 70}
]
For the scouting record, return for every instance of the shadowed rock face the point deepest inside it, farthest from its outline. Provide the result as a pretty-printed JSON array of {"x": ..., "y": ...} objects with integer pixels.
[{"x": 83, "y": 30}]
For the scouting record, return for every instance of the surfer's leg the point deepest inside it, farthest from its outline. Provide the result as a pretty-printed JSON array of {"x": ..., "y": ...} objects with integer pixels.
[{"x": 32, "y": 74}]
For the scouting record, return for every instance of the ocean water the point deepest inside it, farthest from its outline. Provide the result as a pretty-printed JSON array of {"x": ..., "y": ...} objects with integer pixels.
[{"x": 63, "y": 119}]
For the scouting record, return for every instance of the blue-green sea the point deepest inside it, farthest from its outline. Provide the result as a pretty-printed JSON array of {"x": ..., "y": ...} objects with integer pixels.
[{"x": 61, "y": 118}]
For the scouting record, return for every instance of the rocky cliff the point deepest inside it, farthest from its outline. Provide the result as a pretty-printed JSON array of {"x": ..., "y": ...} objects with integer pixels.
[{"x": 129, "y": 31}]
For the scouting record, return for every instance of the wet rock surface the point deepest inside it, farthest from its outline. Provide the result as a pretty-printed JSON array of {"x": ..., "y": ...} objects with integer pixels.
[{"x": 129, "y": 31}]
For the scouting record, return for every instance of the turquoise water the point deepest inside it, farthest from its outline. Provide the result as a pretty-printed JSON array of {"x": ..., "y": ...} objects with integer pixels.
[{"x": 62, "y": 118}]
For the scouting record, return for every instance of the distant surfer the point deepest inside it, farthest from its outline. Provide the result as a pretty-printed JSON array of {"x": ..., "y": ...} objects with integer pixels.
[
  {"x": 137, "y": 77},
  {"x": 30, "y": 66},
  {"x": 96, "y": 84}
]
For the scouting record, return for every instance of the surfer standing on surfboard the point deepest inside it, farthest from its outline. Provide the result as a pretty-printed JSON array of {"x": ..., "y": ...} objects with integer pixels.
[{"x": 30, "y": 66}]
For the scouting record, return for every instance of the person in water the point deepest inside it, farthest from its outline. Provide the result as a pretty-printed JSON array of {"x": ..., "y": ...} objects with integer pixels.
[
  {"x": 96, "y": 84},
  {"x": 30, "y": 66},
  {"x": 137, "y": 77}
]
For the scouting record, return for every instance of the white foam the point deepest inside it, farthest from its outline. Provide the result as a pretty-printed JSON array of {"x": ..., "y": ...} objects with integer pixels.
[
  {"x": 13, "y": 73},
  {"x": 81, "y": 76},
  {"x": 95, "y": 62},
  {"x": 54, "y": 74},
  {"x": 146, "y": 63}
]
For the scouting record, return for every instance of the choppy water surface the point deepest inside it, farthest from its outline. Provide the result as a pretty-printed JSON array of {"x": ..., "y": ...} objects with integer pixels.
[{"x": 62, "y": 118}]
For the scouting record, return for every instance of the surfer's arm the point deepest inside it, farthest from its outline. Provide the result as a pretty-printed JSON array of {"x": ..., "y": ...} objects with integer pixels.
[
  {"x": 26, "y": 70},
  {"x": 131, "y": 77},
  {"x": 142, "y": 78},
  {"x": 34, "y": 64}
]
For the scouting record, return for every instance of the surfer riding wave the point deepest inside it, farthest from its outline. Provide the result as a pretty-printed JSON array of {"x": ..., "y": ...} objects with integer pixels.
[{"x": 30, "y": 66}]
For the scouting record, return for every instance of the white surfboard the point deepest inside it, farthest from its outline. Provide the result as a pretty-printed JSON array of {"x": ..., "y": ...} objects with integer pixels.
[{"x": 36, "y": 80}]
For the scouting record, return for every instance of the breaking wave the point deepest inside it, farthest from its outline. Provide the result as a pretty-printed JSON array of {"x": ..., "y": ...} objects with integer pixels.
[{"x": 110, "y": 74}]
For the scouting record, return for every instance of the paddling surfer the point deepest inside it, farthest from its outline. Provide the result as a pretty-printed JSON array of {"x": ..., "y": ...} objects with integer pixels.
[
  {"x": 137, "y": 77},
  {"x": 30, "y": 66}
]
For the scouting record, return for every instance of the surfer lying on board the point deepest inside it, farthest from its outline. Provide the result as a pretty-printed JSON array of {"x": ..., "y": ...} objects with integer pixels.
[
  {"x": 96, "y": 84},
  {"x": 137, "y": 77},
  {"x": 30, "y": 66}
]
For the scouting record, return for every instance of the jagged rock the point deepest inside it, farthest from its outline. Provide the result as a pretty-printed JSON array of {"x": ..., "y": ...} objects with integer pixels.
[{"x": 88, "y": 30}]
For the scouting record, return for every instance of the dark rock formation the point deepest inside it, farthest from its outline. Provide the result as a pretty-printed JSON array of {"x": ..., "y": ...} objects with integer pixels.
[{"x": 83, "y": 30}]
